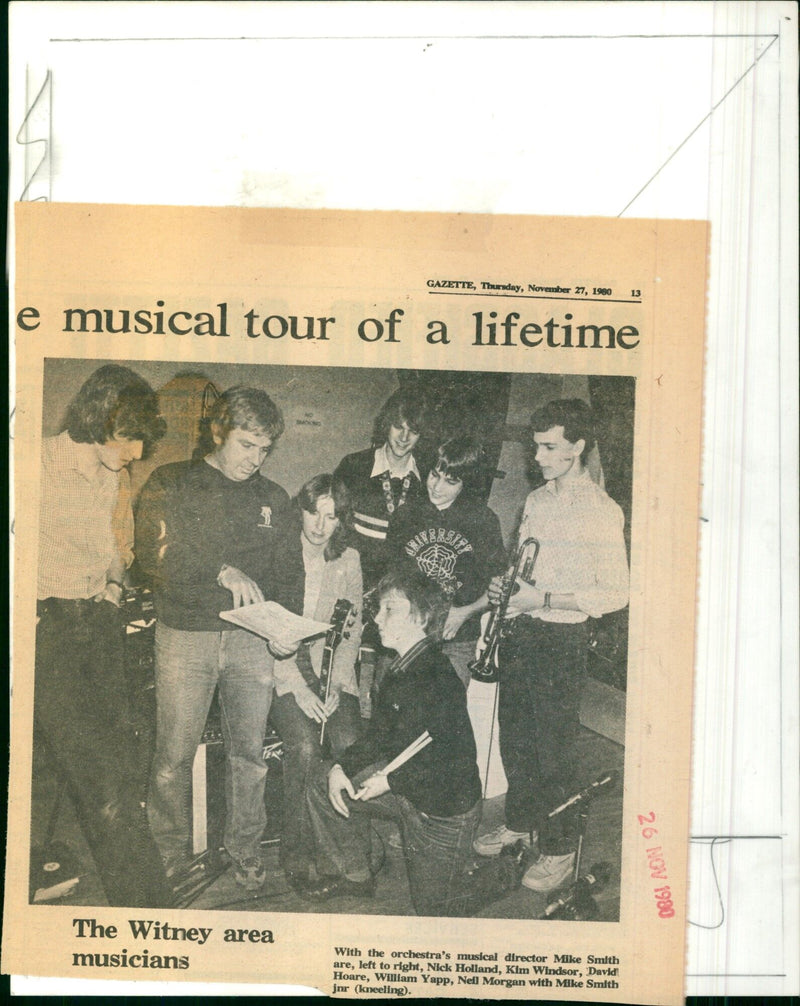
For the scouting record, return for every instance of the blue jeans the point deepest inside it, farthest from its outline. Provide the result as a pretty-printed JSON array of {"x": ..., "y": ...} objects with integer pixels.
[
  {"x": 438, "y": 850},
  {"x": 189, "y": 665},
  {"x": 301, "y": 754}
]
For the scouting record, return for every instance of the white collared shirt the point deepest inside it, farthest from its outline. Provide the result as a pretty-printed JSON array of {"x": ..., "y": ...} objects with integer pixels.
[
  {"x": 582, "y": 552},
  {"x": 86, "y": 521},
  {"x": 396, "y": 469}
]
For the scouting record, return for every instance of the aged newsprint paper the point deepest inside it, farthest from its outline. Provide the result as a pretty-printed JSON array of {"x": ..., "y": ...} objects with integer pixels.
[{"x": 488, "y": 319}]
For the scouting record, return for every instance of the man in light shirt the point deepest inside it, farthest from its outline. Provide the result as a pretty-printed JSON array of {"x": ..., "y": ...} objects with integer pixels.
[
  {"x": 581, "y": 573},
  {"x": 85, "y": 547}
]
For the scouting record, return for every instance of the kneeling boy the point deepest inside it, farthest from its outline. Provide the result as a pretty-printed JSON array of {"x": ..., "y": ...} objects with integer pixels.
[{"x": 434, "y": 796}]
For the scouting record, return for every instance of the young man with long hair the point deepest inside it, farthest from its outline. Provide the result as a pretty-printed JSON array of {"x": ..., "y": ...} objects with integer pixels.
[{"x": 80, "y": 695}]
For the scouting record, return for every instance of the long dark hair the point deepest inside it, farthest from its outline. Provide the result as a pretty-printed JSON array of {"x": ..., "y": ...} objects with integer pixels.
[
  {"x": 115, "y": 402},
  {"x": 406, "y": 405},
  {"x": 326, "y": 485}
]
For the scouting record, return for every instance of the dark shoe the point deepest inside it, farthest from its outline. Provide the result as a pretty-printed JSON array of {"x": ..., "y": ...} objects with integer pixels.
[
  {"x": 498, "y": 876},
  {"x": 297, "y": 879},
  {"x": 338, "y": 887}
]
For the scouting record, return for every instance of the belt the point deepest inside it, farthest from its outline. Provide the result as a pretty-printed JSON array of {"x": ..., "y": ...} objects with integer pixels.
[
  {"x": 68, "y": 607},
  {"x": 525, "y": 623}
]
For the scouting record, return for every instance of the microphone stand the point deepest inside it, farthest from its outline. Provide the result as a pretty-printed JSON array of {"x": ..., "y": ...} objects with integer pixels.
[{"x": 576, "y": 904}]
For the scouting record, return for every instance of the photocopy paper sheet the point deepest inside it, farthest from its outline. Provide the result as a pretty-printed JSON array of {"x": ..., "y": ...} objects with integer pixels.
[{"x": 632, "y": 110}]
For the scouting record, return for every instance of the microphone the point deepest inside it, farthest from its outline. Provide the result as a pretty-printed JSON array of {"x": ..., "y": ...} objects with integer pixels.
[
  {"x": 597, "y": 878},
  {"x": 606, "y": 779}
]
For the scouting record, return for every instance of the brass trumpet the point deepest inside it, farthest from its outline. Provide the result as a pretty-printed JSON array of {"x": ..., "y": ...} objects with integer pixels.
[{"x": 485, "y": 667}]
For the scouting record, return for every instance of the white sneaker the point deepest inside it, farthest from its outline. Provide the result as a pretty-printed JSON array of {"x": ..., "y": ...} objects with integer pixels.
[
  {"x": 493, "y": 842},
  {"x": 549, "y": 873}
]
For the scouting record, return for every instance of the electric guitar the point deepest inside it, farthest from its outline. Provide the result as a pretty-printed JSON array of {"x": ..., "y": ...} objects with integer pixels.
[{"x": 343, "y": 616}]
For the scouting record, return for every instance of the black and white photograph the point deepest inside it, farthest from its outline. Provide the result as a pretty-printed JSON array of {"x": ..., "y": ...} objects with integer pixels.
[{"x": 331, "y": 640}]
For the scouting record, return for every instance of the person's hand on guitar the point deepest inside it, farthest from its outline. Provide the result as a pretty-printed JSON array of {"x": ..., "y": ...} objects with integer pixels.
[
  {"x": 333, "y": 703},
  {"x": 311, "y": 704}
]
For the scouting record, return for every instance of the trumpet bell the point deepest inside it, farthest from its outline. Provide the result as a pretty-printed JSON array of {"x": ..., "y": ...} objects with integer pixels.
[{"x": 482, "y": 670}]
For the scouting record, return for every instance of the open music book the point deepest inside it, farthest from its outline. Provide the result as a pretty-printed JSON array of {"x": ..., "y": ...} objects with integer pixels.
[{"x": 272, "y": 621}]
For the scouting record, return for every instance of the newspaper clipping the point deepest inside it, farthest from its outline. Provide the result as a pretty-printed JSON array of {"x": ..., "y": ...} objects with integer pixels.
[{"x": 463, "y": 453}]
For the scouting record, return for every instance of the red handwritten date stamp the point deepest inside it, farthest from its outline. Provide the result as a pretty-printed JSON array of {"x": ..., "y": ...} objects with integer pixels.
[{"x": 657, "y": 866}]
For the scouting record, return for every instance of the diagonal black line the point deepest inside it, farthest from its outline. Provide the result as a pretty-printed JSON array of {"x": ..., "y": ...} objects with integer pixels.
[{"x": 699, "y": 124}]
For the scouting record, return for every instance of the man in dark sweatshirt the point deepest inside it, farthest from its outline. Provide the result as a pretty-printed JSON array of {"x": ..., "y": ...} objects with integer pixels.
[
  {"x": 435, "y": 796},
  {"x": 452, "y": 537},
  {"x": 215, "y": 534}
]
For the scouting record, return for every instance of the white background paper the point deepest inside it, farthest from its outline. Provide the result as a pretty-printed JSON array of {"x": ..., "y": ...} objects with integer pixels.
[{"x": 671, "y": 110}]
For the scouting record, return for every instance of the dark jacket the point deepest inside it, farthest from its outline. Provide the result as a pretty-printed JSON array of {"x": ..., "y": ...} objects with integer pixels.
[
  {"x": 191, "y": 521},
  {"x": 442, "y": 780},
  {"x": 371, "y": 518}
]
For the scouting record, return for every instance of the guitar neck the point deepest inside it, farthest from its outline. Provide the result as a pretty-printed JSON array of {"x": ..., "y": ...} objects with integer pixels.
[
  {"x": 342, "y": 616},
  {"x": 325, "y": 671}
]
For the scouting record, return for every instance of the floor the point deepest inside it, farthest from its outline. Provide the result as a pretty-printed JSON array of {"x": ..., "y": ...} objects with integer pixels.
[{"x": 602, "y": 845}]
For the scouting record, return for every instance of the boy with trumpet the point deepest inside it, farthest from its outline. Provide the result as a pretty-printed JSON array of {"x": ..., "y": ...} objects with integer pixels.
[{"x": 581, "y": 572}]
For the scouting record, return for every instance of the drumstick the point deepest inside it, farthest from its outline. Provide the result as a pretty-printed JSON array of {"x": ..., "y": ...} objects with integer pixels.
[{"x": 413, "y": 748}]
